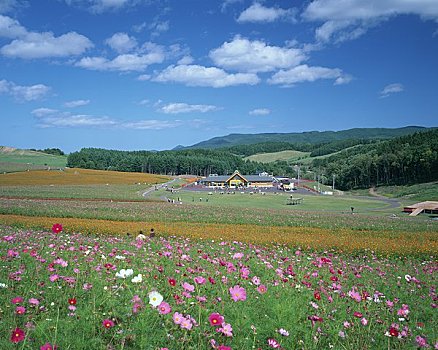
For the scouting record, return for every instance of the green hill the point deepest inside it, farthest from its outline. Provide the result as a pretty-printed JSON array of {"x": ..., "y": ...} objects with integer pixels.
[
  {"x": 12, "y": 160},
  {"x": 312, "y": 137},
  {"x": 282, "y": 155}
]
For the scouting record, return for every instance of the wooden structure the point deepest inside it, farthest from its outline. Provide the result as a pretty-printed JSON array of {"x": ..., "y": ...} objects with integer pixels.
[
  {"x": 237, "y": 180},
  {"x": 428, "y": 207}
]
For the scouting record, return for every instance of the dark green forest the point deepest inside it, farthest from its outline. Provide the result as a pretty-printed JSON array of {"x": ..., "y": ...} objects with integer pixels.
[{"x": 358, "y": 163}]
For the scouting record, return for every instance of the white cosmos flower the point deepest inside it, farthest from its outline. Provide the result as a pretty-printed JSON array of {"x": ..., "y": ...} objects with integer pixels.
[
  {"x": 124, "y": 273},
  {"x": 137, "y": 279},
  {"x": 155, "y": 298}
]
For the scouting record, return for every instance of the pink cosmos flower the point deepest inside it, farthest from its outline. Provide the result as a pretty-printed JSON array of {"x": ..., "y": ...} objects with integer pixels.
[
  {"x": 273, "y": 343},
  {"x": 164, "y": 308},
  {"x": 215, "y": 319},
  {"x": 17, "y": 335},
  {"x": 364, "y": 321},
  {"x": 48, "y": 346},
  {"x": 255, "y": 280},
  {"x": 421, "y": 342},
  {"x": 226, "y": 330},
  {"x": 20, "y": 310},
  {"x": 33, "y": 301},
  {"x": 200, "y": 280},
  {"x": 107, "y": 323},
  {"x": 186, "y": 323},
  {"x": 53, "y": 277},
  {"x": 355, "y": 295},
  {"x": 188, "y": 287},
  {"x": 177, "y": 318},
  {"x": 238, "y": 293},
  {"x": 262, "y": 289}
]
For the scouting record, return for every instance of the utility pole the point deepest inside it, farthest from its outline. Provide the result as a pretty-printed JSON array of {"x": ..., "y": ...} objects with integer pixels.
[{"x": 333, "y": 187}]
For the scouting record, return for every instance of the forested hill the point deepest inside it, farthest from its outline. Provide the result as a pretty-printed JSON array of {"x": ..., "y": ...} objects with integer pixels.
[{"x": 311, "y": 137}]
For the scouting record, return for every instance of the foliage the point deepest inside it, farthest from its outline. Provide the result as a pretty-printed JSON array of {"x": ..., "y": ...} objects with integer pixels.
[
  {"x": 54, "y": 151},
  {"x": 400, "y": 161}
]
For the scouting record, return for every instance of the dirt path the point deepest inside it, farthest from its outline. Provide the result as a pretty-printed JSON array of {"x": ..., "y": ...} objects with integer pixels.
[{"x": 393, "y": 203}]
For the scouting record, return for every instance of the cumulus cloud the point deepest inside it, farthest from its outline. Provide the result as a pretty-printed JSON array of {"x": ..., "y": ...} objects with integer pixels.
[
  {"x": 346, "y": 20},
  {"x": 260, "y": 111},
  {"x": 24, "y": 93},
  {"x": 9, "y": 5},
  {"x": 121, "y": 42},
  {"x": 39, "y": 45},
  {"x": 158, "y": 28},
  {"x": 391, "y": 89},
  {"x": 76, "y": 103},
  {"x": 195, "y": 75},
  {"x": 304, "y": 73},
  {"x": 255, "y": 56},
  {"x": 176, "y": 108},
  {"x": 260, "y": 13},
  {"x": 124, "y": 63}
]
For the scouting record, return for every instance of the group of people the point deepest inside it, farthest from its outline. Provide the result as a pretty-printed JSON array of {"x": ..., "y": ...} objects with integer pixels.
[{"x": 142, "y": 237}]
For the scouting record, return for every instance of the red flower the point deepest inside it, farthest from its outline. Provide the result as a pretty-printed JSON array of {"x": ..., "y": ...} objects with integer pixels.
[
  {"x": 108, "y": 323},
  {"x": 56, "y": 228},
  {"x": 357, "y": 314},
  {"x": 393, "y": 332},
  {"x": 17, "y": 335},
  {"x": 72, "y": 301},
  {"x": 172, "y": 282},
  {"x": 317, "y": 295},
  {"x": 215, "y": 319},
  {"x": 48, "y": 346}
]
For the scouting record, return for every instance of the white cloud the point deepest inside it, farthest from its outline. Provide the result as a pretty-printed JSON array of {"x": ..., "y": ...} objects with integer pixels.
[
  {"x": 144, "y": 102},
  {"x": 195, "y": 75},
  {"x": 260, "y": 13},
  {"x": 24, "y": 93},
  {"x": 124, "y": 63},
  {"x": 255, "y": 56},
  {"x": 348, "y": 19},
  {"x": 186, "y": 60},
  {"x": 152, "y": 124},
  {"x": 143, "y": 77},
  {"x": 39, "y": 45},
  {"x": 391, "y": 89},
  {"x": 260, "y": 111},
  {"x": 176, "y": 108},
  {"x": 304, "y": 73},
  {"x": 121, "y": 42},
  {"x": 53, "y": 118},
  {"x": 158, "y": 28},
  {"x": 11, "y": 28},
  {"x": 99, "y": 6},
  {"x": 76, "y": 103},
  {"x": 227, "y": 3}
]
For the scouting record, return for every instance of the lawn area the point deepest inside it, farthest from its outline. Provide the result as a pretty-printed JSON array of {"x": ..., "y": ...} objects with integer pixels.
[
  {"x": 288, "y": 155},
  {"x": 26, "y": 159}
]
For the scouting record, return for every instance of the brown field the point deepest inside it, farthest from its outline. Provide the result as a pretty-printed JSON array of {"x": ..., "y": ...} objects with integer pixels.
[
  {"x": 73, "y": 176},
  {"x": 346, "y": 240}
]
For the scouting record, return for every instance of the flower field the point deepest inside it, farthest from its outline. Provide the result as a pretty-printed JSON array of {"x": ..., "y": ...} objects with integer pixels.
[{"x": 69, "y": 290}]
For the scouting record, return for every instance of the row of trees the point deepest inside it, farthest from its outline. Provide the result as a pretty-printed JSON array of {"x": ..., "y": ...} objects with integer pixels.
[
  {"x": 400, "y": 161},
  {"x": 192, "y": 161}
]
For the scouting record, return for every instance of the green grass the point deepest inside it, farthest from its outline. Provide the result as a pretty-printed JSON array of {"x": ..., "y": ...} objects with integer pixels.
[
  {"x": 289, "y": 155},
  {"x": 28, "y": 160}
]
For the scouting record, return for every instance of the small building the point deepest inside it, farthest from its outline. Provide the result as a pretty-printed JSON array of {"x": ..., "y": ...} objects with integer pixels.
[
  {"x": 237, "y": 180},
  {"x": 428, "y": 207}
]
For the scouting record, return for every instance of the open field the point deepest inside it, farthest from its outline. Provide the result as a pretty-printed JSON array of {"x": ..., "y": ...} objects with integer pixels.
[
  {"x": 12, "y": 160},
  {"x": 289, "y": 155}
]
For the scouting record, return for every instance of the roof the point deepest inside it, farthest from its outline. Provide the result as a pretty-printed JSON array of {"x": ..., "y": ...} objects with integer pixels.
[
  {"x": 424, "y": 205},
  {"x": 249, "y": 178}
]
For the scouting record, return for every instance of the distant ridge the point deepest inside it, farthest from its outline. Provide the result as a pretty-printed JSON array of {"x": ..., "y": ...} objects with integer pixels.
[{"x": 307, "y": 137}]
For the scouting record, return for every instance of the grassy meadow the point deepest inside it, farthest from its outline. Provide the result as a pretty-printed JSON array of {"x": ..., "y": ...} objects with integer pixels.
[
  {"x": 242, "y": 271},
  {"x": 13, "y": 160}
]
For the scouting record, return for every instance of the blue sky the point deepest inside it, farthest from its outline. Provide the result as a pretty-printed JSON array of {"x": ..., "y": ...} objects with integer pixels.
[{"x": 146, "y": 74}]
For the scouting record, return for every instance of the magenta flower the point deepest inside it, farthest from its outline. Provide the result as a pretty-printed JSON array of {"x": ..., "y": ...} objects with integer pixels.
[
  {"x": 215, "y": 319},
  {"x": 238, "y": 293},
  {"x": 262, "y": 289},
  {"x": 48, "y": 346},
  {"x": 421, "y": 342},
  {"x": 33, "y": 301},
  {"x": 17, "y": 300},
  {"x": 57, "y": 228},
  {"x": 20, "y": 310},
  {"x": 107, "y": 323},
  {"x": 17, "y": 335},
  {"x": 273, "y": 343},
  {"x": 164, "y": 308},
  {"x": 224, "y": 347}
]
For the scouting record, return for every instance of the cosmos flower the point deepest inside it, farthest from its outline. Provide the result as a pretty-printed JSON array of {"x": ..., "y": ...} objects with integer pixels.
[
  {"x": 164, "y": 308},
  {"x": 238, "y": 293},
  {"x": 137, "y": 279},
  {"x": 155, "y": 298},
  {"x": 17, "y": 335},
  {"x": 107, "y": 323},
  {"x": 215, "y": 319},
  {"x": 124, "y": 273},
  {"x": 48, "y": 346},
  {"x": 57, "y": 228}
]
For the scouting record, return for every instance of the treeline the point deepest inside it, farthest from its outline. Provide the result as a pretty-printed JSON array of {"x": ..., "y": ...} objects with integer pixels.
[
  {"x": 54, "y": 151},
  {"x": 400, "y": 161},
  {"x": 192, "y": 161}
]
